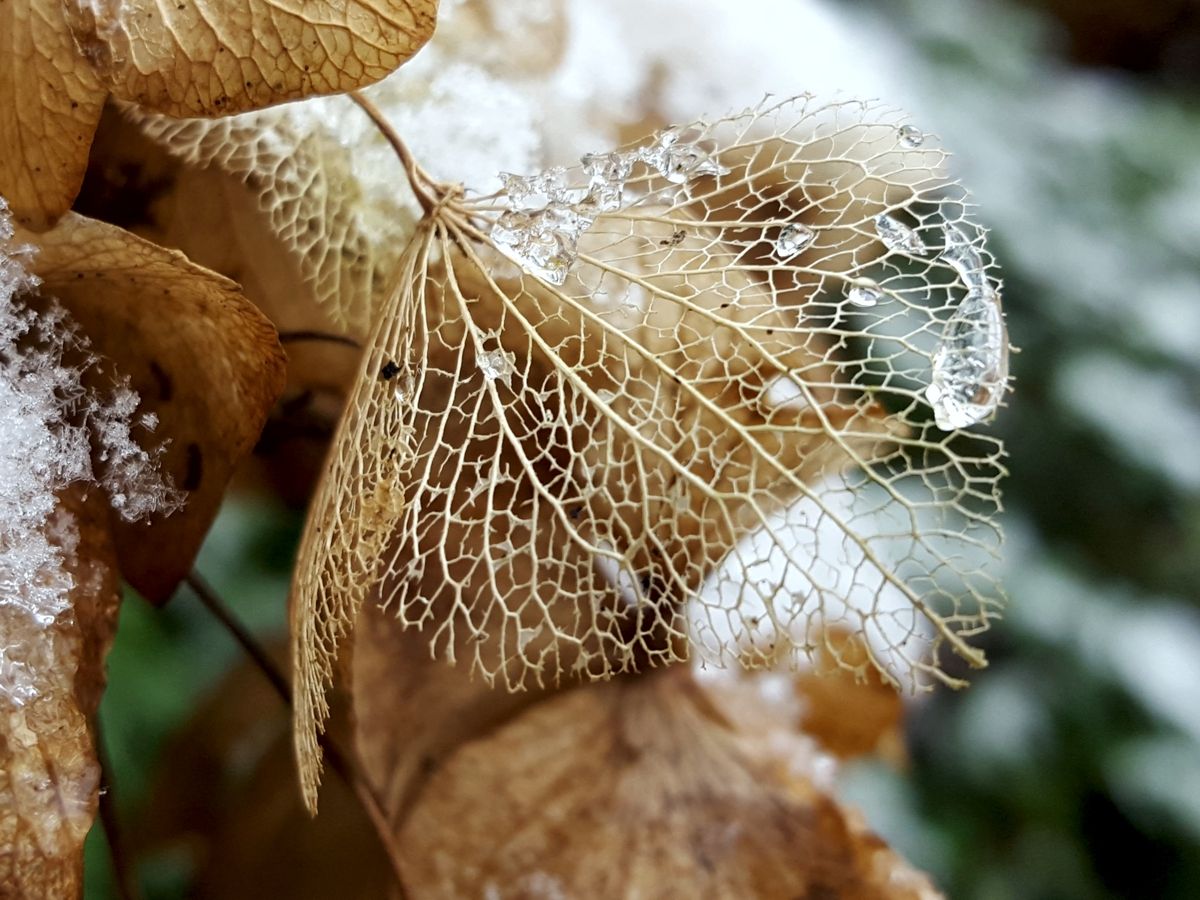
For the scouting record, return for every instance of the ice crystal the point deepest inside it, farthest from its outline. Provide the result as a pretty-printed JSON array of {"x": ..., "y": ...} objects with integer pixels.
[{"x": 51, "y": 428}]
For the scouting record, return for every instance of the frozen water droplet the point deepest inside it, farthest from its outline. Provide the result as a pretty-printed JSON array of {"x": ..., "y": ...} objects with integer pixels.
[
  {"x": 898, "y": 236},
  {"x": 965, "y": 258},
  {"x": 497, "y": 365},
  {"x": 679, "y": 159},
  {"x": 784, "y": 392},
  {"x": 970, "y": 367},
  {"x": 601, "y": 197},
  {"x": 792, "y": 239},
  {"x": 911, "y": 136},
  {"x": 535, "y": 191},
  {"x": 512, "y": 227},
  {"x": 607, "y": 167},
  {"x": 543, "y": 242},
  {"x": 863, "y": 297},
  {"x": 526, "y": 635}
]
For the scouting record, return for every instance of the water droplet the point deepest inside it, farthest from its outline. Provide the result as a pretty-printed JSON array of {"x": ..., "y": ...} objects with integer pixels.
[
  {"x": 543, "y": 242},
  {"x": 497, "y": 365},
  {"x": 970, "y": 367},
  {"x": 525, "y": 636},
  {"x": 898, "y": 236},
  {"x": 863, "y": 297},
  {"x": 612, "y": 168},
  {"x": 792, "y": 239},
  {"x": 784, "y": 392},
  {"x": 911, "y": 136},
  {"x": 680, "y": 159},
  {"x": 536, "y": 191},
  {"x": 965, "y": 258}
]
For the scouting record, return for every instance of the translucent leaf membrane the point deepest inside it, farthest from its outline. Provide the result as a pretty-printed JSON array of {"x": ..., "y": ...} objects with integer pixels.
[
  {"x": 301, "y": 161},
  {"x": 677, "y": 401},
  {"x": 328, "y": 183}
]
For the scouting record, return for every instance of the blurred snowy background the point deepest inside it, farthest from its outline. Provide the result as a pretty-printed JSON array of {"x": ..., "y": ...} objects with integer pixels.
[{"x": 1072, "y": 768}]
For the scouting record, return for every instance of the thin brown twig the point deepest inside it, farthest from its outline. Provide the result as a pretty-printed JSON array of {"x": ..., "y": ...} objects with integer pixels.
[
  {"x": 286, "y": 337},
  {"x": 126, "y": 885},
  {"x": 418, "y": 178},
  {"x": 340, "y": 764}
]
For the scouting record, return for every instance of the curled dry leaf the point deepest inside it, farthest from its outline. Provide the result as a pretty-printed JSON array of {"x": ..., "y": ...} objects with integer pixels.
[
  {"x": 638, "y": 788},
  {"x": 49, "y": 774},
  {"x": 201, "y": 357},
  {"x": 715, "y": 408},
  {"x": 211, "y": 57},
  {"x": 53, "y": 99}
]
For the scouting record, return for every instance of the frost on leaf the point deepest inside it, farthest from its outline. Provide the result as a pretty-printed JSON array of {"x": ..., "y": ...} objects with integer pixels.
[
  {"x": 691, "y": 398},
  {"x": 60, "y": 59},
  {"x": 59, "y": 435},
  {"x": 51, "y": 679},
  {"x": 206, "y": 364}
]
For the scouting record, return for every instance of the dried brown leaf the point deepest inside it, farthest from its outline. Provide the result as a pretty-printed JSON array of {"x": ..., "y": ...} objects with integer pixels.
[
  {"x": 412, "y": 711},
  {"x": 844, "y": 679},
  {"x": 637, "y": 789},
  {"x": 213, "y": 57},
  {"x": 49, "y": 775},
  {"x": 201, "y": 357},
  {"x": 52, "y": 102}
]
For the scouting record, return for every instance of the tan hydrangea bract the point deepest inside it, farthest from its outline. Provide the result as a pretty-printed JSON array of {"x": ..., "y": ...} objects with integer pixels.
[
  {"x": 60, "y": 60},
  {"x": 701, "y": 442},
  {"x": 202, "y": 359},
  {"x": 49, "y": 772},
  {"x": 343, "y": 242}
]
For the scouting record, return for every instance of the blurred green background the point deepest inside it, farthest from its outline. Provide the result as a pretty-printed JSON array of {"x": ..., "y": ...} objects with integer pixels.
[{"x": 1072, "y": 768}]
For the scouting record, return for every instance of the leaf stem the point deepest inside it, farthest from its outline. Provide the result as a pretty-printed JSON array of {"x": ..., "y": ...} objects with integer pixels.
[
  {"x": 418, "y": 178},
  {"x": 288, "y": 337},
  {"x": 341, "y": 764},
  {"x": 125, "y": 884}
]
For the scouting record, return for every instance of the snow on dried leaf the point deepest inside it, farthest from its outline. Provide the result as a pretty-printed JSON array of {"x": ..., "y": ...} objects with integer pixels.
[
  {"x": 638, "y": 788},
  {"x": 49, "y": 776},
  {"x": 703, "y": 395},
  {"x": 211, "y": 57},
  {"x": 201, "y": 357}
]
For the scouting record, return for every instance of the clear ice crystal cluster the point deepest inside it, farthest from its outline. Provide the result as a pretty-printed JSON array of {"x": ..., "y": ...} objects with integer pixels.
[
  {"x": 546, "y": 215},
  {"x": 970, "y": 366}
]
